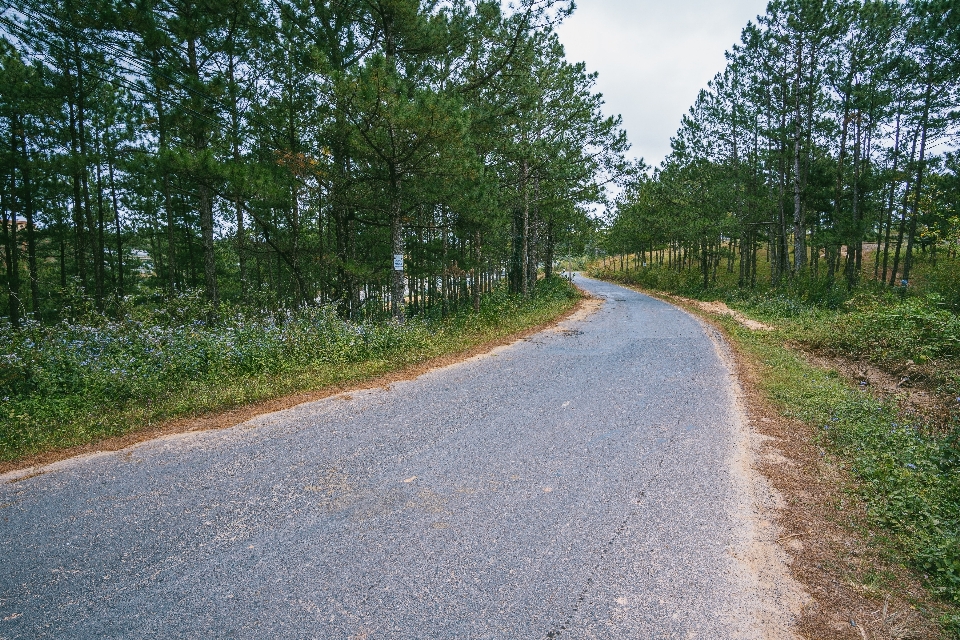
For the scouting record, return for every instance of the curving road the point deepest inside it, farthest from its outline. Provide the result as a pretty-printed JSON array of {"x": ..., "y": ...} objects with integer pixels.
[{"x": 589, "y": 482}]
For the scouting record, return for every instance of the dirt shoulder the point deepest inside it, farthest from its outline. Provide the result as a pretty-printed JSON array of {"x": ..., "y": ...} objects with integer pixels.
[
  {"x": 856, "y": 590},
  {"x": 719, "y": 308},
  {"x": 910, "y": 390},
  {"x": 30, "y": 466}
]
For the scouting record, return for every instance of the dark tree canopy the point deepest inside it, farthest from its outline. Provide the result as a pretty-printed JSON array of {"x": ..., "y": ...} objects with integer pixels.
[{"x": 283, "y": 153}]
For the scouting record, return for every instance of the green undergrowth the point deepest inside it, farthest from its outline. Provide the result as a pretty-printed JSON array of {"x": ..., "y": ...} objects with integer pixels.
[{"x": 82, "y": 381}]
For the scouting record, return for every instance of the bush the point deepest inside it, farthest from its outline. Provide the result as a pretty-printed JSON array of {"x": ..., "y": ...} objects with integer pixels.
[
  {"x": 890, "y": 334},
  {"x": 943, "y": 280},
  {"x": 687, "y": 283}
]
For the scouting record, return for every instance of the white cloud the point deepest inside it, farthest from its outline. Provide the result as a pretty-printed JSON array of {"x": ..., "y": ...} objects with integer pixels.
[{"x": 653, "y": 58}]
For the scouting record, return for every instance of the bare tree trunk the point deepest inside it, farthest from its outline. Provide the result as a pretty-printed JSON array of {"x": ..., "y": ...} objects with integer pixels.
[
  {"x": 918, "y": 188},
  {"x": 396, "y": 241},
  {"x": 893, "y": 188},
  {"x": 237, "y": 200},
  {"x": 476, "y": 271},
  {"x": 901, "y": 227},
  {"x": 345, "y": 286},
  {"x": 855, "y": 241},
  {"x": 82, "y": 139},
  {"x": 525, "y": 251},
  {"x": 799, "y": 224},
  {"x": 62, "y": 245},
  {"x": 79, "y": 245},
  {"x": 838, "y": 193},
  {"x": 206, "y": 230},
  {"x": 550, "y": 254},
  {"x": 116, "y": 224},
  {"x": 204, "y": 190},
  {"x": 783, "y": 259},
  {"x": 12, "y": 251},
  {"x": 25, "y": 174},
  {"x": 300, "y": 292},
  {"x": 444, "y": 271},
  {"x": 533, "y": 244},
  {"x": 167, "y": 203},
  {"x": 99, "y": 256}
]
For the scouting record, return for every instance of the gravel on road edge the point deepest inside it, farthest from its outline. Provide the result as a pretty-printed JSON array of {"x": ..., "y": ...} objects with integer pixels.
[{"x": 762, "y": 503}]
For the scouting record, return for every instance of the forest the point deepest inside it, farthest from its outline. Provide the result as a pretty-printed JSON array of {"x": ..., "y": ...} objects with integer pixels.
[
  {"x": 826, "y": 152},
  {"x": 287, "y": 154}
]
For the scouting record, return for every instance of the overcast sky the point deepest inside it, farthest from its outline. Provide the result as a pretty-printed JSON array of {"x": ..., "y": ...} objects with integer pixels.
[{"x": 653, "y": 57}]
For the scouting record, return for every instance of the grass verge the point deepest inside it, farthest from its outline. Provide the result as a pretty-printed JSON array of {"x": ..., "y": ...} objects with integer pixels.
[
  {"x": 72, "y": 386},
  {"x": 915, "y": 336}
]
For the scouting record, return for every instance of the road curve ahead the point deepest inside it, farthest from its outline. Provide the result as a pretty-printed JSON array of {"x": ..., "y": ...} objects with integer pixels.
[{"x": 591, "y": 481}]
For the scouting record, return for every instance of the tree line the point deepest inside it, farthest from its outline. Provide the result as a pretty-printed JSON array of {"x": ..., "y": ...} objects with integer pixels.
[
  {"x": 384, "y": 156},
  {"x": 832, "y": 128}
]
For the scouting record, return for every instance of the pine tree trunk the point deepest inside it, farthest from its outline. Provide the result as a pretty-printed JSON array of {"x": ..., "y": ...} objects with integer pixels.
[
  {"x": 163, "y": 164},
  {"x": 533, "y": 246},
  {"x": 62, "y": 242},
  {"x": 893, "y": 187},
  {"x": 206, "y": 231},
  {"x": 444, "y": 274},
  {"x": 25, "y": 173},
  {"x": 799, "y": 224},
  {"x": 79, "y": 244},
  {"x": 855, "y": 241},
  {"x": 475, "y": 273},
  {"x": 550, "y": 249},
  {"x": 118, "y": 230},
  {"x": 240, "y": 239},
  {"x": 525, "y": 250},
  {"x": 901, "y": 226},
  {"x": 918, "y": 188},
  {"x": 12, "y": 252},
  {"x": 100, "y": 250},
  {"x": 84, "y": 156},
  {"x": 834, "y": 252},
  {"x": 396, "y": 242}
]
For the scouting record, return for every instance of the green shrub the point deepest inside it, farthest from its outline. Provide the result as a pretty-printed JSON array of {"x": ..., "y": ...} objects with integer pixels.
[
  {"x": 687, "y": 283},
  {"x": 890, "y": 333},
  {"x": 944, "y": 280}
]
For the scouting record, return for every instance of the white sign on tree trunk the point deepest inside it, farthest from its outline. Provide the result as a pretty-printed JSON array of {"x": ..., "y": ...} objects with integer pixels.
[{"x": 398, "y": 262}]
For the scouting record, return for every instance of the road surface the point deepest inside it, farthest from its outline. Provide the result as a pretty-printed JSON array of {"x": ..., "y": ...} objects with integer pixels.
[{"x": 591, "y": 481}]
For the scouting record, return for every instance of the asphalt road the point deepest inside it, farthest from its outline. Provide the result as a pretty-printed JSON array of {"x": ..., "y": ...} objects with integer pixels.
[{"x": 587, "y": 482}]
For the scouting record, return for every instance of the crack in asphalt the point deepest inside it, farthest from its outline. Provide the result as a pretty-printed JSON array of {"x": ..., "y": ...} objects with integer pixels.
[{"x": 605, "y": 550}]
